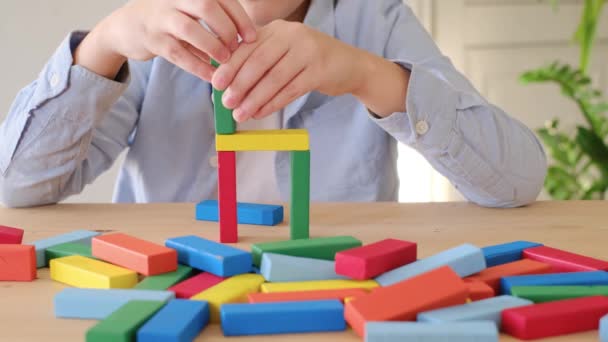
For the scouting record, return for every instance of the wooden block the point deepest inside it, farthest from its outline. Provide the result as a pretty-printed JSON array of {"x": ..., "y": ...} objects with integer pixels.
[
  {"x": 483, "y": 310},
  {"x": 402, "y": 301},
  {"x": 541, "y": 294},
  {"x": 563, "y": 261},
  {"x": 17, "y": 262},
  {"x": 179, "y": 320},
  {"x": 317, "y": 248},
  {"x": 282, "y": 268},
  {"x": 479, "y": 290},
  {"x": 79, "y": 271},
  {"x": 210, "y": 256},
  {"x": 339, "y": 294},
  {"x": 10, "y": 235},
  {"x": 100, "y": 303},
  {"x": 299, "y": 220},
  {"x": 318, "y": 285},
  {"x": 569, "y": 278},
  {"x": 246, "y": 213},
  {"x": 492, "y": 275},
  {"x": 264, "y": 140},
  {"x": 224, "y": 121},
  {"x": 195, "y": 285},
  {"x": 231, "y": 290},
  {"x": 294, "y": 317},
  {"x": 226, "y": 182},
  {"x": 75, "y": 236},
  {"x": 134, "y": 253},
  {"x": 554, "y": 318},
  {"x": 67, "y": 249},
  {"x": 372, "y": 260},
  {"x": 464, "y": 260},
  {"x": 506, "y": 252},
  {"x": 426, "y": 332},
  {"x": 164, "y": 281},
  {"x": 122, "y": 325},
  {"x": 604, "y": 329}
]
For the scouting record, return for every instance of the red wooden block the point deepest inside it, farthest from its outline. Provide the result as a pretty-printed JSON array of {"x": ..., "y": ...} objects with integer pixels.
[
  {"x": 563, "y": 261},
  {"x": 195, "y": 285},
  {"x": 479, "y": 290},
  {"x": 492, "y": 275},
  {"x": 404, "y": 300},
  {"x": 226, "y": 175},
  {"x": 10, "y": 235},
  {"x": 295, "y": 296},
  {"x": 372, "y": 260},
  {"x": 554, "y": 318},
  {"x": 17, "y": 262},
  {"x": 135, "y": 254}
]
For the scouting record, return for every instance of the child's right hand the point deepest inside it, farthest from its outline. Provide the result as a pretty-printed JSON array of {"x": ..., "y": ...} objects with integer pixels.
[{"x": 143, "y": 29}]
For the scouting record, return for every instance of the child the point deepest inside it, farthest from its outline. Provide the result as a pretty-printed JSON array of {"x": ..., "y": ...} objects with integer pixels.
[{"x": 359, "y": 75}]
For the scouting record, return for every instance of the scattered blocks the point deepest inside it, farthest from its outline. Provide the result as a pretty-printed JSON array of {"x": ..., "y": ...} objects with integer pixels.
[
  {"x": 10, "y": 235},
  {"x": 179, "y": 320},
  {"x": 299, "y": 219},
  {"x": 75, "y": 236},
  {"x": 464, "y": 260},
  {"x": 195, "y": 285},
  {"x": 209, "y": 256},
  {"x": 263, "y": 140},
  {"x": 479, "y": 290},
  {"x": 372, "y": 260},
  {"x": 570, "y": 278},
  {"x": 483, "y": 310},
  {"x": 17, "y": 262},
  {"x": 563, "y": 261},
  {"x": 122, "y": 325},
  {"x": 164, "y": 281},
  {"x": 426, "y": 332},
  {"x": 283, "y": 268},
  {"x": 99, "y": 304},
  {"x": 67, "y": 249},
  {"x": 492, "y": 275},
  {"x": 604, "y": 329},
  {"x": 231, "y": 290},
  {"x": 555, "y": 318},
  {"x": 317, "y": 248},
  {"x": 282, "y": 318},
  {"x": 226, "y": 183},
  {"x": 339, "y": 294},
  {"x": 318, "y": 285},
  {"x": 541, "y": 294},
  {"x": 83, "y": 272},
  {"x": 135, "y": 254},
  {"x": 224, "y": 122},
  {"x": 404, "y": 300},
  {"x": 247, "y": 213},
  {"x": 506, "y": 252}
]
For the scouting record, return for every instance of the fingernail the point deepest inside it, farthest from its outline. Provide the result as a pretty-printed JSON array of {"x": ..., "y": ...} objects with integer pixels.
[
  {"x": 240, "y": 114},
  {"x": 234, "y": 45},
  {"x": 228, "y": 99}
]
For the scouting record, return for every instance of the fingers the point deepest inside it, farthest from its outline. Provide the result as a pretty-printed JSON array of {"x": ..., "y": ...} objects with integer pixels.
[
  {"x": 175, "y": 52},
  {"x": 186, "y": 29},
  {"x": 296, "y": 88},
  {"x": 239, "y": 17}
]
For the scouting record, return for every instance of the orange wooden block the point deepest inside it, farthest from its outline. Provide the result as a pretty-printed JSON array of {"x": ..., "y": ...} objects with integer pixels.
[
  {"x": 404, "y": 300},
  {"x": 17, "y": 262},
  {"x": 304, "y": 295},
  {"x": 135, "y": 254},
  {"x": 492, "y": 275},
  {"x": 479, "y": 290}
]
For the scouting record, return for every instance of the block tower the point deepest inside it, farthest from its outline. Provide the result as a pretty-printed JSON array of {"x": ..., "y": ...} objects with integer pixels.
[{"x": 228, "y": 141}]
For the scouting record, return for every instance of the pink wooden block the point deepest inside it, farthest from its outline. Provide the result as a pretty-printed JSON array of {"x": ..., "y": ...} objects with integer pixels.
[
  {"x": 563, "y": 261},
  {"x": 195, "y": 285},
  {"x": 372, "y": 260},
  {"x": 10, "y": 235}
]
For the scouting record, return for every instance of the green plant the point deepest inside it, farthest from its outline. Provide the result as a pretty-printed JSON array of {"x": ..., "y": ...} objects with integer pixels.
[{"x": 579, "y": 166}]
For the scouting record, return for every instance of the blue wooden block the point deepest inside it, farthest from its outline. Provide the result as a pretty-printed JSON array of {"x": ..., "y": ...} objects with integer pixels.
[
  {"x": 180, "y": 320},
  {"x": 75, "y": 236},
  {"x": 483, "y": 310},
  {"x": 281, "y": 268},
  {"x": 604, "y": 329},
  {"x": 506, "y": 252},
  {"x": 247, "y": 213},
  {"x": 282, "y": 317},
  {"x": 430, "y": 332},
  {"x": 100, "y": 303},
  {"x": 464, "y": 259},
  {"x": 209, "y": 256},
  {"x": 570, "y": 278}
]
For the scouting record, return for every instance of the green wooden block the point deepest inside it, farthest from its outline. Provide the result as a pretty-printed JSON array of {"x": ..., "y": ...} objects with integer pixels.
[
  {"x": 162, "y": 282},
  {"x": 541, "y": 294},
  {"x": 122, "y": 324},
  {"x": 318, "y": 248},
  {"x": 224, "y": 121},
  {"x": 67, "y": 249},
  {"x": 299, "y": 216}
]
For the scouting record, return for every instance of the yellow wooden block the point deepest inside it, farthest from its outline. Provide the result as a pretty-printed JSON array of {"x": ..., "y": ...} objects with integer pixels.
[
  {"x": 232, "y": 290},
  {"x": 264, "y": 140},
  {"x": 318, "y": 285},
  {"x": 79, "y": 271}
]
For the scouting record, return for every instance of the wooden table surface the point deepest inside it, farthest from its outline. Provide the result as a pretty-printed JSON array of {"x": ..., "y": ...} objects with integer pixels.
[{"x": 26, "y": 309}]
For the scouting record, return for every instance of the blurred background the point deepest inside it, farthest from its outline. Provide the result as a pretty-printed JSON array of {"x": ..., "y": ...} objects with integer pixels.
[{"x": 493, "y": 42}]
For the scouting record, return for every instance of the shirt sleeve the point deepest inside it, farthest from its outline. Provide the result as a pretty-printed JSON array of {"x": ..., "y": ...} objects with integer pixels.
[
  {"x": 491, "y": 158},
  {"x": 64, "y": 129}
]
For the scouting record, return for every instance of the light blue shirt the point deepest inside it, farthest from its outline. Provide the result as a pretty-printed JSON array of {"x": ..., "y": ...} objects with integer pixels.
[{"x": 69, "y": 125}]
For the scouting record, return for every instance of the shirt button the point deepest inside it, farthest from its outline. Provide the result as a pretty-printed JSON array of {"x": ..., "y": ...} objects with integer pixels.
[
  {"x": 54, "y": 81},
  {"x": 422, "y": 127},
  {"x": 213, "y": 161}
]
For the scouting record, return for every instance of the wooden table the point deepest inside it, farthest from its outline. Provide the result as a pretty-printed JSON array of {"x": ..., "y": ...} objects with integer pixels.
[{"x": 26, "y": 309}]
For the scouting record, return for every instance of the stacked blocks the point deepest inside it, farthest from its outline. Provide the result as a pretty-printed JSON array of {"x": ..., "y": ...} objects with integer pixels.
[
  {"x": 318, "y": 285},
  {"x": 506, "y": 252},
  {"x": 563, "y": 261},
  {"x": 122, "y": 324},
  {"x": 67, "y": 249},
  {"x": 75, "y": 236},
  {"x": 492, "y": 275},
  {"x": 277, "y": 268},
  {"x": 79, "y": 271},
  {"x": 426, "y": 332},
  {"x": 164, "y": 281},
  {"x": 340, "y": 294},
  {"x": 541, "y": 294},
  {"x": 17, "y": 262},
  {"x": 195, "y": 285},
  {"x": 10, "y": 235},
  {"x": 247, "y": 213},
  {"x": 318, "y": 248},
  {"x": 570, "y": 278}
]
